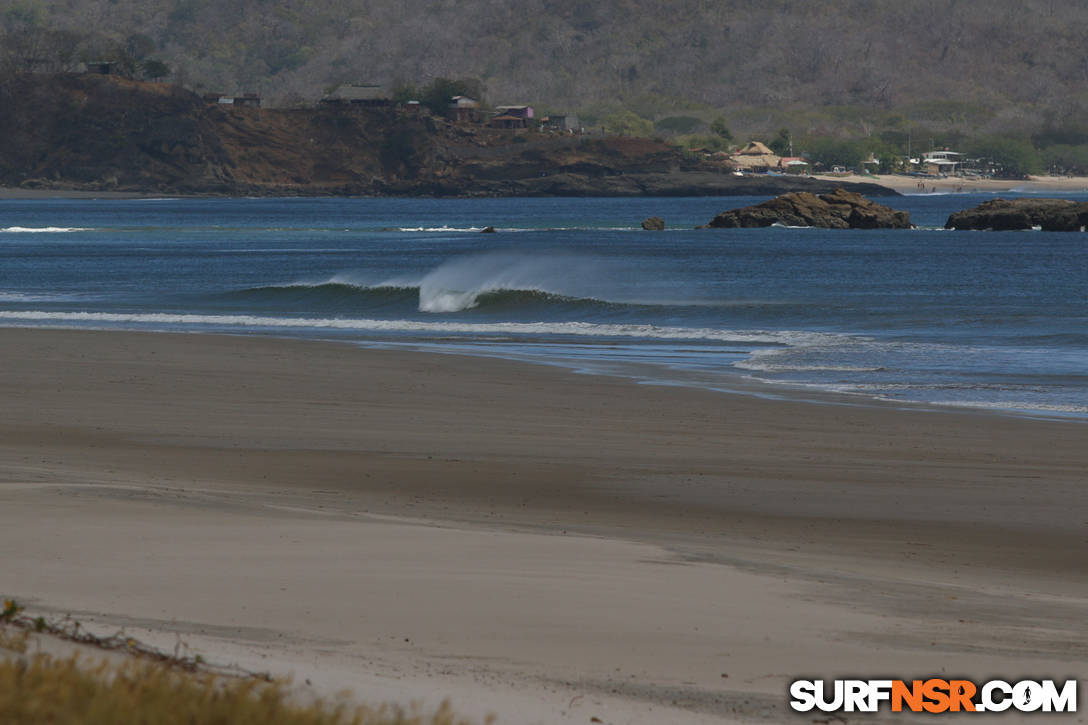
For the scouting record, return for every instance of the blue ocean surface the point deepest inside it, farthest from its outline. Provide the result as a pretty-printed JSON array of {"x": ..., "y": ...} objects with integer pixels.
[{"x": 995, "y": 320}]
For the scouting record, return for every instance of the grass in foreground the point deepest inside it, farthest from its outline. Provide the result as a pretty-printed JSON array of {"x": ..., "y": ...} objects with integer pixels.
[{"x": 37, "y": 689}]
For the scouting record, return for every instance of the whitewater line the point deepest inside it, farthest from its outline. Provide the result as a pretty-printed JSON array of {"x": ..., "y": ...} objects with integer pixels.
[{"x": 587, "y": 329}]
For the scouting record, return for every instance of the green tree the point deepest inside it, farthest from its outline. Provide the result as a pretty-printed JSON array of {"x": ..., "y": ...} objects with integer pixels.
[
  {"x": 139, "y": 46},
  {"x": 1067, "y": 159},
  {"x": 1012, "y": 157},
  {"x": 781, "y": 143},
  {"x": 404, "y": 92},
  {"x": 721, "y": 128},
  {"x": 154, "y": 69},
  {"x": 829, "y": 152},
  {"x": 678, "y": 124},
  {"x": 437, "y": 94},
  {"x": 627, "y": 123},
  {"x": 702, "y": 141}
]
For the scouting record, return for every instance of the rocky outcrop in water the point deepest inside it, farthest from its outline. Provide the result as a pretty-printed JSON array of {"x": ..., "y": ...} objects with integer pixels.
[
  {"x": 840, "y": 209},
  {"x": 653, "y": 224},
  {"x": 1050, "y": 215}
]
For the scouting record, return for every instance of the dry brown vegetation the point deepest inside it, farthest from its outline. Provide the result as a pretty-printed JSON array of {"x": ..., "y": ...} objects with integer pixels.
[
  {"x": 1001, "y": 65},
  {"x": 39, "y": 688},
  {"x": 1003, "y": 81}
]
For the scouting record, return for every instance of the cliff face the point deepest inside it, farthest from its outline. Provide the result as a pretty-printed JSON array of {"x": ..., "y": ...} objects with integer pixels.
[
  {"x": 103, "y": 133},
  {"x": 97, "y": 132}
]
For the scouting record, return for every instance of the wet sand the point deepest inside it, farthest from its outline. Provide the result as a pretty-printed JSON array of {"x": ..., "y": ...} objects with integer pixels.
[{"x": 541, "y": 544}]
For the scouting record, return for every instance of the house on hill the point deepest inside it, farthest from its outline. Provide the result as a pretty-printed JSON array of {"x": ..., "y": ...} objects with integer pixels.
[
  {"x": 370, "y": 96},
  {"x": 557, "y": 122},
  {"x": 507, "y": 120},
  {"x": 247, "y": 100},
  {"x": 525, "y": 112},
  {"x": 942, "y": 162},
  {"x": 755, "y": 157},
  {"x": 512, "y": 117},
  {"x": 463, "y": 108}
]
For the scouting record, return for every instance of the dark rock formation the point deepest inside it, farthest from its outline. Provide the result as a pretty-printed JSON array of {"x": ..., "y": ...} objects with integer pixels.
[
  {"x": 669, "y": 184},
  {"x": 654, "y": 224},
  {"x": 840, "y": 209},
  {"x": 1051, "y": 215},
  {"x": 487, "y": 230}
]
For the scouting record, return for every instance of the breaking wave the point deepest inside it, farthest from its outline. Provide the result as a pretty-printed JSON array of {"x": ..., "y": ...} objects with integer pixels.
[
  {"x": 429, "y": 299},
  {"x": 449, "y": 229},
  {"x": 537, "y": 283},
  {"x": 436, "y": 229},
  {"x": 43, "y": 230}
]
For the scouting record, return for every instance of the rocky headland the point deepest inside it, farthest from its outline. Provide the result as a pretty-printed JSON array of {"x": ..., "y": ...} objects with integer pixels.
[
  {"x": 1049, "y": 215},
  {"x": 71, "y": 132},
  {"x": 840, "y": 209}
]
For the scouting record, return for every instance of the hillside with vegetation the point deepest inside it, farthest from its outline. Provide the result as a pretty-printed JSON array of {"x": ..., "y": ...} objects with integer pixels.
[
  {"x": 897, "y": 77},
  {"x": 105, "y": 132}
]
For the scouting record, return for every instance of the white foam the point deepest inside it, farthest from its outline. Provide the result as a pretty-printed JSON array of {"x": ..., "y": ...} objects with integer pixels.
[
  {"x": 447, "y": 229},
  {"x": 584, "y": 329},
  {"x": 457, "y": 285},
  {"x": 9, "y": 296},
  {"x": 43, "y": 230},
  {"x": 1014, "y": 405},
  {"x": 789, "y": 368},
  {"x": 439, "y": 229}
]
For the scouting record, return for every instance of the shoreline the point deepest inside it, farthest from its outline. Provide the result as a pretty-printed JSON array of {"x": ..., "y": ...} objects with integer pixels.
[
  {"x": 526, "y": 540},
  {"x": 733, "y": 382},
  {"x": 909, "y": 185},
  {"x": 901, "y": 184}
]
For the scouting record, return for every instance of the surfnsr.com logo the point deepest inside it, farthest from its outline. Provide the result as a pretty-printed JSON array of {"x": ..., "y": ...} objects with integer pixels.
[{"x": 933, "y": 696}]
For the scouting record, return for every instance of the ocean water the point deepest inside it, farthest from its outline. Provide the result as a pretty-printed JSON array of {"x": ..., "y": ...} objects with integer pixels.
[{"x": 955, "y": 319}]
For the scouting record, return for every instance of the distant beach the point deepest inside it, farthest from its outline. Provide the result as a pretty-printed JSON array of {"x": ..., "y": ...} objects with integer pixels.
[{"x": 952, "y": 184}]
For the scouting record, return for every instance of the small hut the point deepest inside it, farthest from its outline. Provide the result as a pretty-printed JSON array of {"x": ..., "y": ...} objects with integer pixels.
[
  {"x": 755, "y": 157},
  {"x": 794, "y": 165}
]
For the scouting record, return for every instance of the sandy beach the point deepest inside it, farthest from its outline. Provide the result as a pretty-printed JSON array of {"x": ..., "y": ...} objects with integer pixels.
[
  {"x": 952, "y": 185},
  {"x": 526, "y": 541}
]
